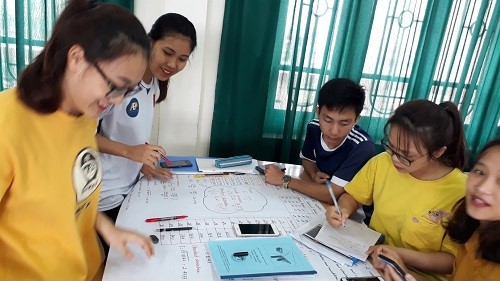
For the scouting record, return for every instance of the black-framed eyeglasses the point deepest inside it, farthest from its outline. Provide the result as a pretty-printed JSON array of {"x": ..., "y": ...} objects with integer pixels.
[
  {"x": 115, "y": 91},
  {"x": 405, "y": 161}
]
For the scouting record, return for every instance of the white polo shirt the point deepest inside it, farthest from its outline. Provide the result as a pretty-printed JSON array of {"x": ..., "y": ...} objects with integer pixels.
[{"x": 129, "y": 122}]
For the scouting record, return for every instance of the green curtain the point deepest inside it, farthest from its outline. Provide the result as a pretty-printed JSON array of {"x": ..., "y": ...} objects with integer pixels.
[
  {"x": 399, "y": 50},
  {"x": 248, "y": 38},
  {"x": 25, "y": 26}
]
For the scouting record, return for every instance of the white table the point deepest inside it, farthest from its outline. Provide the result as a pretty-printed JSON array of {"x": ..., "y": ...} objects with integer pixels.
[{"x": 213, "y": 204}]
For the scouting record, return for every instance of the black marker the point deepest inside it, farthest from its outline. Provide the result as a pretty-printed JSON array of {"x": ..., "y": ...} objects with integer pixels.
[
  {"x": 240, "y": 254},
  {"x": 174, "y": 228}
]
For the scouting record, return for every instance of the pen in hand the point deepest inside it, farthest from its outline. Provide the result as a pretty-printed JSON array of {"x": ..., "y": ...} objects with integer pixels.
[
  {"x": 162, "y": 156},
  {"x": 330, "y": 190}
]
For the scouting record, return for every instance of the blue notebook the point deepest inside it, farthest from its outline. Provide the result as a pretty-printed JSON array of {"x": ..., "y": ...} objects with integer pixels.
[{"x": 254, "y": 257}]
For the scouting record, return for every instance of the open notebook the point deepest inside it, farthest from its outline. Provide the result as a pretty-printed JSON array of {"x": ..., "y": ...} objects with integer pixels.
[{"x": 352, "y": 241}]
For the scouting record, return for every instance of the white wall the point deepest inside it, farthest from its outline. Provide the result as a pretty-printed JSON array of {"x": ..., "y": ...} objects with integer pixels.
[{"x": 184, "y": 120}]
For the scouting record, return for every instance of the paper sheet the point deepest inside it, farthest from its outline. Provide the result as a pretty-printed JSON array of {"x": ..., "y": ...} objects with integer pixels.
[
  {"x": 353, "y": 240},
  {"x": 213, "y": 204},
  {"x": 298, "y": 234}
]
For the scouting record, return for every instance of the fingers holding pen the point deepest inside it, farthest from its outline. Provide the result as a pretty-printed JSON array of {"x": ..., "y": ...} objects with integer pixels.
[
  {"x": 147, "y": 154},
  {"x": 321, "y": 177},
  {"x": 158, "y": 149},
  {"x": 143, "y": 153},
  {"x": 334, "y": 218}
]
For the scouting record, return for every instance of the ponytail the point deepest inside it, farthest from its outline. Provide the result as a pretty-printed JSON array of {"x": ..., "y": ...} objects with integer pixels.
[
  {"x": 163, "y": 85},
  {"x": 454, "y": 155},
  {"x": 433, "y": 126}
]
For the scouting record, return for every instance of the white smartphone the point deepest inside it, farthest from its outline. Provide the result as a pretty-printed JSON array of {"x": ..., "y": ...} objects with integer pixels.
[{"x": 255, "y": 229}]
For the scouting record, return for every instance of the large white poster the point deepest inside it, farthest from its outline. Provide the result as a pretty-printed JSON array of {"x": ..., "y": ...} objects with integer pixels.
[{"x": 213, "y": 204}]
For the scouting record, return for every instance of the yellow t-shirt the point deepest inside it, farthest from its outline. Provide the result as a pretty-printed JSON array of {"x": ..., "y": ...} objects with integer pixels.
[
  {"x": 49, "y": 191},
  {"x": 408, "y": 211},
  {"x": 468, "y": 267}
]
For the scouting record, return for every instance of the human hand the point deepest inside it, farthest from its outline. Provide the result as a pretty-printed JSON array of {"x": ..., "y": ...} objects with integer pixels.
[
  {"x": 273, "y": 174},
  {"x": 118, "y": 238},
  {"x": 391, "y": 275},
  {"x": 161, "y": 173},
  {"x": 321, "y": 177},
  {"x": 334, "y": 218},
  {"x": 145, "y": 153},
  {"x": 388, "y": 251}
]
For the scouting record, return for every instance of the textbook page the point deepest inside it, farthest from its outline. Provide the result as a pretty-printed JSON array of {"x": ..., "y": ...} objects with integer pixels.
[{"x": 352, "y": 240}]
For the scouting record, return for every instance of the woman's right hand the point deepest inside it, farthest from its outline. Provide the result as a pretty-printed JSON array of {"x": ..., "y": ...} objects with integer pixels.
[
  {"x": 147, "y": 154},
  {"x": 334, "y": 218},
  {"x": 391, "y": 275}
]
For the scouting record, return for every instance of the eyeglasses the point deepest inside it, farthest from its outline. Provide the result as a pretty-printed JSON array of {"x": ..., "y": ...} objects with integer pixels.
[
  {"x": 115, "y": 91},
  {"x": 405, "y": 161}
]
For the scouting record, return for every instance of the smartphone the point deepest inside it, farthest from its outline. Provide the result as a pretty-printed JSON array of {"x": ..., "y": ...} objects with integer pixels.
[
  {"x": 255, "y": 229},
  {"x": 176, "y": 164},
  {"x": 262, "y": 168},
  {"x": 387, "y": 261},
  {"x": 369, "y": 278}
]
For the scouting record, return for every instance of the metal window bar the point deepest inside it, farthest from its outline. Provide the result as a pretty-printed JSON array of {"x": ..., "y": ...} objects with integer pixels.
[
  {"x": 456, "y": 66},
  {"x": 462, "y": 55},
  {"x": 19, "y": 45}
]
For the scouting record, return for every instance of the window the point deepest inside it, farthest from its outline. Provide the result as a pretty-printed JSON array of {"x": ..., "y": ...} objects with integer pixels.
[
  {"x": 24, "y": 28},
  {"x": 418, "y": 49}
]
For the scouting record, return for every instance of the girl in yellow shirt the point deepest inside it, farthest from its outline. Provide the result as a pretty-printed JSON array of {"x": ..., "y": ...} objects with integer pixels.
[
  {"x": 413, "y": 185},
  {"x": 50, "y": 172},
  {"x": 475, "y": 223}
]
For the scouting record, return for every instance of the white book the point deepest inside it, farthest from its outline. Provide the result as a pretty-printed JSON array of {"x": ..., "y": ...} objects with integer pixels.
[{"x": 350, "y": 241}]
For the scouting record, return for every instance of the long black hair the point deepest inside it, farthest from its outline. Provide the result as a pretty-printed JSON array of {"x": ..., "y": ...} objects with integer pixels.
[
  {"x": 434, "y": 126},
  {"x": 168, "y": 25},
  {"x": 461, "y": 226},
  {"x": 104, "y": 31}
]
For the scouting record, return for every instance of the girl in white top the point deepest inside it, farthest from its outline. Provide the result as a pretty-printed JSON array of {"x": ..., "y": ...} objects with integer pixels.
[{"x": 125, "y": 129}]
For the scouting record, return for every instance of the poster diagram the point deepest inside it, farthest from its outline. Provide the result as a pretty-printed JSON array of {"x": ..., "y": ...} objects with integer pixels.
[
  {"x": 231, "y": 199},
  {"x": 213, "y": 204}
]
